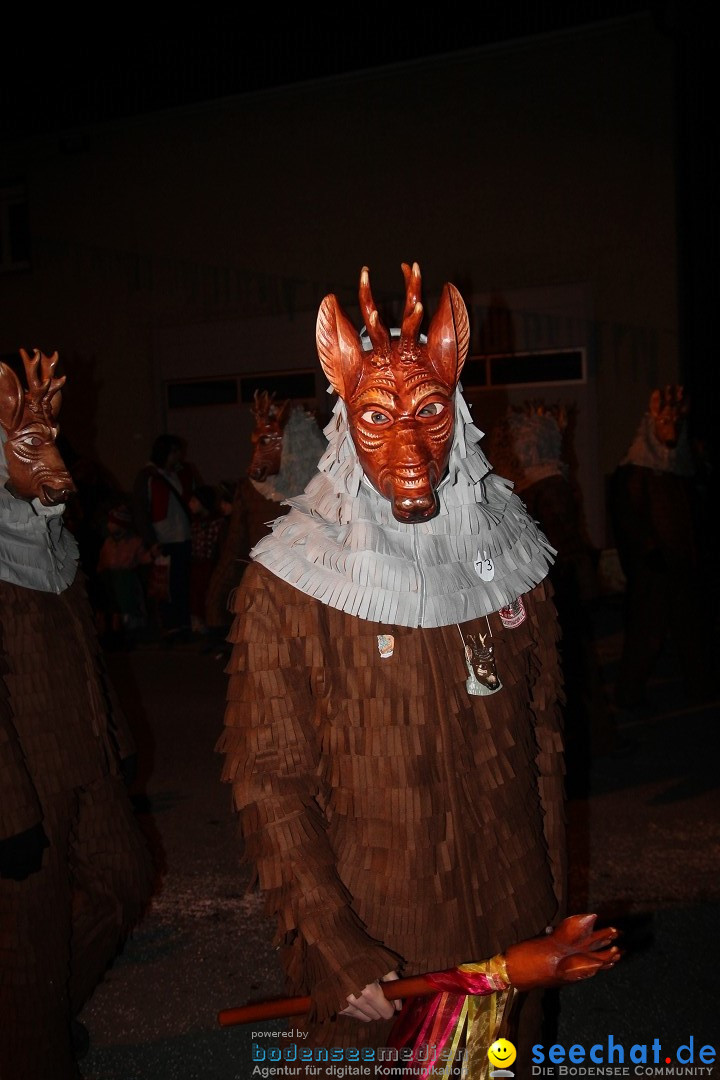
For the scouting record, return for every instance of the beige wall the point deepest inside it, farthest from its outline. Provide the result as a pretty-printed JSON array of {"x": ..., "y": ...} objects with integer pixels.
[{"x": 205, "y": 238}]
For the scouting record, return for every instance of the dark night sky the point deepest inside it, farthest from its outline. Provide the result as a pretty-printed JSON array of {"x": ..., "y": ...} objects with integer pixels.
[
  {"x": 62, "y": 71},
  {"x": 65, "y": 71}
]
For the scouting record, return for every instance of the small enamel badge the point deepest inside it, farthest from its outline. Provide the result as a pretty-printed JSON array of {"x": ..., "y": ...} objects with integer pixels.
[
  {"x": 514, "y": 614},
  {"x": 484, "y": 567},
  {"x": 480, "y": 660},
  {"x": 386, "y": 645}
]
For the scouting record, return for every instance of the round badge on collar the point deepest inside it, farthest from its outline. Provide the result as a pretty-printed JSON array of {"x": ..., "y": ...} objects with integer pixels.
[{"x": 484, "y": 567}]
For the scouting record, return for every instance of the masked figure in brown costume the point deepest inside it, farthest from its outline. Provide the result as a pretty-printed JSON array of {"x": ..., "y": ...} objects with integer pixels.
[
  {"x": 75, "y": 873},
  {"x": 654, "y": 509},
  {"x": 287, "y": 445},
  {"x": 527, "y": 447},
  {"x": 392, "y": 729}
]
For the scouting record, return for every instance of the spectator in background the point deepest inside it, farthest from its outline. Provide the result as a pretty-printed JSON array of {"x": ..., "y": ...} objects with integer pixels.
[
  {"x": 122, "y": 600},
  {"x": 226, "y": 494},
  {"x": 161, "y": 495},
  {"x": 206, "y": 528},
  {"x": 96, "y": 492}
]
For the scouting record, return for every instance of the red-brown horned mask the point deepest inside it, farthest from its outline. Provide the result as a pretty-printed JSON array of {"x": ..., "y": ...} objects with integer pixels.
[
  {"x": 267, "y": 438},
  {"x": 29, "y": 418},
  {"x": 669, "y": 408},
  {"x": 399, "y": 393}
]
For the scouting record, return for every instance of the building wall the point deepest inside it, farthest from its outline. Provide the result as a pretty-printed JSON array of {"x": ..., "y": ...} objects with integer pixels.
[{"x": 201, "y": 241}]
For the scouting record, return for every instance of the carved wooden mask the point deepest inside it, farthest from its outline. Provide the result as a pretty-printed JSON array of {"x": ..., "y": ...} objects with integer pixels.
[
  {"x": 399, "y": 393},
  {"x": 669, "y": 408},
  {"x": 267, "y": 437},
  {"x": 29, "y": 417}
]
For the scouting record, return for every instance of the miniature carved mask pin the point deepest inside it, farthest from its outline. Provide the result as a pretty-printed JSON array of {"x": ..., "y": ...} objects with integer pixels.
[
  {"x": 400, "y": 392},
  {"x": 480, "y": 660}
]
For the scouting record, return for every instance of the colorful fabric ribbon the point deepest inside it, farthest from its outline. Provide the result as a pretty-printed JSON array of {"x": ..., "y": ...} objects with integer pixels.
[{"x": 455, "y": 1025}]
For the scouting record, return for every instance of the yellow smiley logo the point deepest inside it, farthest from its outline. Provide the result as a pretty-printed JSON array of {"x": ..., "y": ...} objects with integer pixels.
[{"x": 502, "y": 1053}]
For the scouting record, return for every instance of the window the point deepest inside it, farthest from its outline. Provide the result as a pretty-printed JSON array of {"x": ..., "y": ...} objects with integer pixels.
[
  {"x": 557, "y": 366},
  {"x": 240, "y": 389},
  {"x": 183, "y": 395}
]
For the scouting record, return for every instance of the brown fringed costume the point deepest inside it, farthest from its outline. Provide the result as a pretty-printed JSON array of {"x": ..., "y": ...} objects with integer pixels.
[
  {"x": 75, "y": 873},
  {"x": 390, "y": 814},
  {"x": 400, "y": 813}
]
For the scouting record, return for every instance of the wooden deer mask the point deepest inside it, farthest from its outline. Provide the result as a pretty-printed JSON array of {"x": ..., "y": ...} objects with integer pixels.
[
  {"x": 399, "y": 393},
  {"x": 267, "y": 438},
  {"x": 35, "y": 468},
  {"x": 669, "y": 408}
]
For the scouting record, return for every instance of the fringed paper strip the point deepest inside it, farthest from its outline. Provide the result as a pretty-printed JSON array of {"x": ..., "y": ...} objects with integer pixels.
[
  {"x": 371, "y": 782},
  {"x": 341, "y": 544},
  {"x": 36, "y": 550}
]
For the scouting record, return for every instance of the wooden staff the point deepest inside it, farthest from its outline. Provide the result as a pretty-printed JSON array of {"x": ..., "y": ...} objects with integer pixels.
[
  {"x": 274, "y": 1008},
  {"x": 573, "y": 950}
]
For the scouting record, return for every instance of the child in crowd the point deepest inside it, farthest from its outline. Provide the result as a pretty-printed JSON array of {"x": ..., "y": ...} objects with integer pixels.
[
  {"x": 206, "y": 528},
  {"x": 120, "y": 588}
]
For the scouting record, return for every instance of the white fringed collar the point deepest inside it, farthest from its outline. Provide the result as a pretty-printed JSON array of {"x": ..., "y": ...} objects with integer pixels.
[
  {"x": 648, "y": 452},
  {"x": 36, "y": 550},
  {"x": 341, "y": 544}
]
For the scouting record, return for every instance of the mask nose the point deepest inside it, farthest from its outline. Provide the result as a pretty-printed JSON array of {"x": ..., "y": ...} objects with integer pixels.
[
  {"x": 413, "y": 510},
  {"x": 53, "y": 496}
]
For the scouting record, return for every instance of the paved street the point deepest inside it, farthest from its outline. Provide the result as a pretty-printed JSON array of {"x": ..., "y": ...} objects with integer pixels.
[{"x": 644, "y": 855}]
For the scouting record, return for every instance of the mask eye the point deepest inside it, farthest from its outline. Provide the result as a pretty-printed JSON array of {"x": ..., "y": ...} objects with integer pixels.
[
  {"x": 433, "y": 409},
  {"x": 374, "y": 416}
]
